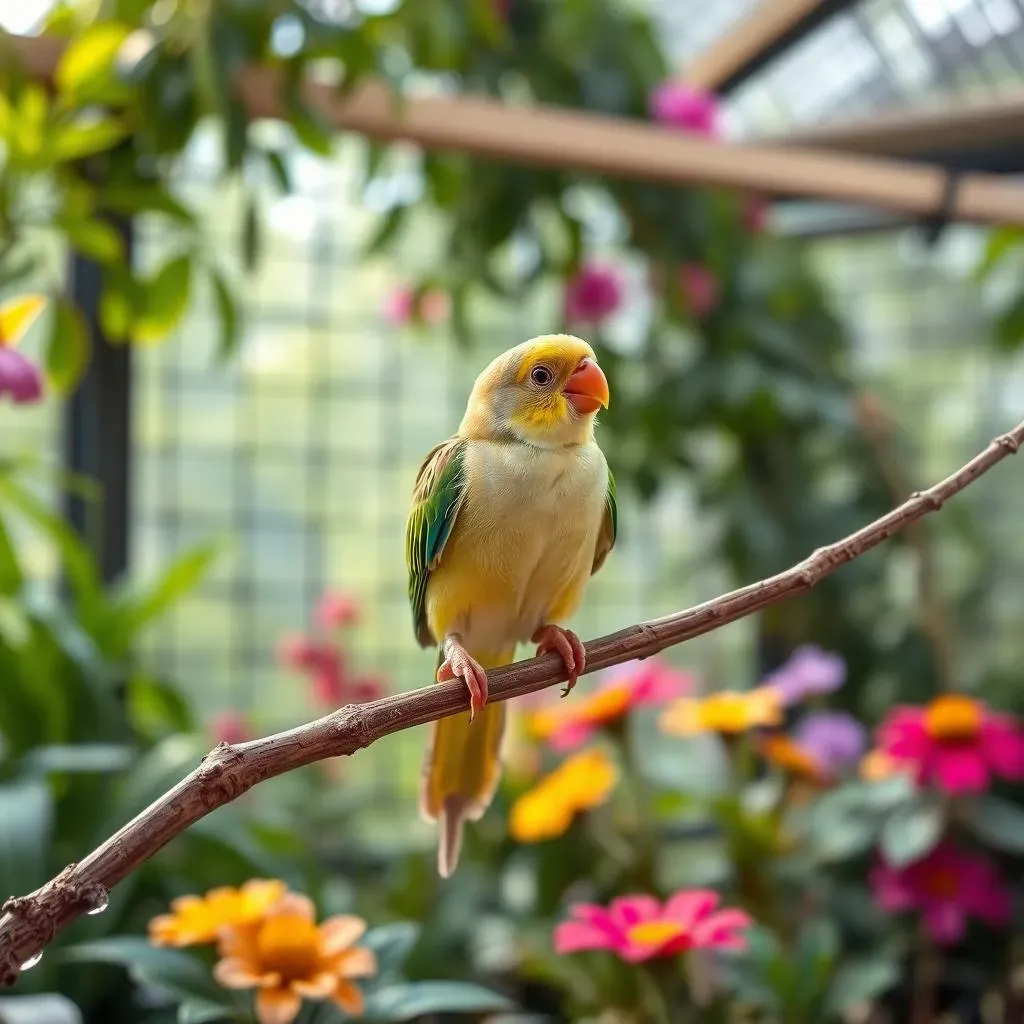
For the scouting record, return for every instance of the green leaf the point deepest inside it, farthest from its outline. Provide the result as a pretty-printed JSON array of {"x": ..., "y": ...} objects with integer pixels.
[
  {"x": 197, "y": 1011},
  {"x": 67, "y": 349},
  {"x": 75, "y": 141},
  {"x": 389, "y": 226},
  {"x": 403, "y": 1002},
  {"x": 227, "y": 313},
  {"x": 172, "y": 972},
  {"x": 181, "y": 577},
  {"x": 392, "y": 943},
  {"x": 92, "y": 237},
  {"x": 279, "y": 169},
  {"x": 90, "y": 56},
  {"x": 309, "y": 126},
  {"x": 157, "y": 708},
  {"x": 79, "y": 758},
  {"x": 1009, "y": 328},
  {"x": 165, "y": 300},
  {"x": 26, "y": 810},
  {"x": 1001, "y": 240},
  {"x": 138, "y": 198},
  {"x": 996, "y": 822},
  {"x": 115, "y": 313},
  {"x": 911, "y": 832},
  {"x": 251, "y": 235},
  {"x": 861, "y": 981},
  {"x": 10, "y": 569},
  {"x": 236, "y": 129}
]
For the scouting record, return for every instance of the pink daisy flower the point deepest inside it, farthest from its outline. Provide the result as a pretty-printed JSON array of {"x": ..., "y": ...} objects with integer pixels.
[
  {"x": 593, "y": 295},
  {"x": 637, "y": 928},
  {"x": 954, "y": 743}
]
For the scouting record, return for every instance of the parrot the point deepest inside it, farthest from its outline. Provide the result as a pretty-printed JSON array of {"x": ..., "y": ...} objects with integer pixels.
[{"x": 509, "y": 519}]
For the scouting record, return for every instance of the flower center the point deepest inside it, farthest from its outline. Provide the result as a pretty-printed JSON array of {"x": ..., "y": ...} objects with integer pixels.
[
  {"x": 942, "y": 883},
  {"x": 654, "y": 933},
  {"x": 953, "y": 717},
  {"x": 726, "y": 712},
  {"x": 607, "y": 704},
  {"x": 290, "y": 946}
]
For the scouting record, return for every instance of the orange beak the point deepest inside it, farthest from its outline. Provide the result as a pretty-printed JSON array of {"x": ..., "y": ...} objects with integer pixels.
[{"x": 587, "y": 388}]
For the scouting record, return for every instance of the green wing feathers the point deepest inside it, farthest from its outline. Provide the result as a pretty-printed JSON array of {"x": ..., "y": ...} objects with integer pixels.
[
  {"x": 609, "y": 527},
  {"x": 436, "y": 500}
]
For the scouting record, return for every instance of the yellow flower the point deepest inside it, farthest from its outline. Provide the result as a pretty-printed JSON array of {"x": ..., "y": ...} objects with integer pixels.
[
  {"x": 288, "y": 958},
  {"x": 728, "y": 712},
  {"x": 877, "y": 765},
  {"x": 580, "y": 783},
  {"x": 195, "y": 920},
  {"x": 17, "y": 316}
]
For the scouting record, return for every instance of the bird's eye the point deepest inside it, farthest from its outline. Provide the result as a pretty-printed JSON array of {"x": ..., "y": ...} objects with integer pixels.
[{"x": 540, "y": 375}]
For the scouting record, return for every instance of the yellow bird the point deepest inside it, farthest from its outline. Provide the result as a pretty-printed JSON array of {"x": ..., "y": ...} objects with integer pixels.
[{"x": 510, "y": 518}]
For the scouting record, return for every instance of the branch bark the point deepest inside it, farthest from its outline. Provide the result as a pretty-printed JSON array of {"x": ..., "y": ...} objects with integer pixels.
[{"x": 30, "y": 922}]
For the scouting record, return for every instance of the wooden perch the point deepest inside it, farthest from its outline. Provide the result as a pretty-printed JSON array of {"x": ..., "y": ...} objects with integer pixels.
[
  {"x": 30, "y": 922},
  {"x": 619, "y": 147}
]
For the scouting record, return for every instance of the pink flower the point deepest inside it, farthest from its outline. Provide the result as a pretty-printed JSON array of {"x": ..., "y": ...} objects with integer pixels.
[
  {"x": 637, "y": 928},
  {"x": 322, "y": 662},
  {"x": 954, "y": 743},
  {"x": 19, "y": 377},
  {"x": 947, "y": 886},
  {"x": 700, "y": 287},
  {"x": 567, "y": 726},
  {"x": 683, "y": 106},
  {"x": 367, "y": 688},
  {"x": 230, "y": 727},
  {"x": 400, "y": 306},
  {"x": 593, "y": 294},
  {"x": 336, "y": 610}
]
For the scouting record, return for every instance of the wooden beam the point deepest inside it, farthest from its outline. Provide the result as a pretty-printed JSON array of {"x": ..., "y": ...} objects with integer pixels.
[
  {"x": 773, "y": 27},
  {"x": 631, "y": 149}
]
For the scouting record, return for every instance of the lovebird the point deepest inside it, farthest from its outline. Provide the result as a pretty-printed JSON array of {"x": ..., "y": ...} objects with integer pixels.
[{"x": 510, "y": 518}]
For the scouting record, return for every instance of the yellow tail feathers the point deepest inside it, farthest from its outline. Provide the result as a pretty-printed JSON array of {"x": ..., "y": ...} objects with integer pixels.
[{"x": 461, "y": 770}]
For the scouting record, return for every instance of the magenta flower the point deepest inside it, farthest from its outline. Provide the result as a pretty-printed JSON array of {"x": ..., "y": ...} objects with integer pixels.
[
  {"x": 834, "y": 738},
  {"x": 321, "y": 662},
  {"x": 700, "y": 287},
  {"x": 593, "y": 294},
  {"x": 637, "y": 928},
  {"x": 400, "y": 306},
  {"x": 809, "y": 671},
  {"x": 954, "y": 743},
  {"x": 947, "y": 886},
  {"x": 568, "y": 725},
  {"x": 230, "y": 727},
  {"x": 337, "y": 610},
  {"x": 20, "y": 378},
  {"x": 683, "y": 106}
]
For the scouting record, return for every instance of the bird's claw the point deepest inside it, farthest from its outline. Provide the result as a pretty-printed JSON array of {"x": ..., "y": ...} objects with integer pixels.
[
  {"x": 458, "y": 663},
  {"x": 568, "y": 646}
]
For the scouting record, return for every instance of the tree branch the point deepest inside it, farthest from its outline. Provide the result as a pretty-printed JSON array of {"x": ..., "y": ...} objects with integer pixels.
[{"x": 30, "y": 922}]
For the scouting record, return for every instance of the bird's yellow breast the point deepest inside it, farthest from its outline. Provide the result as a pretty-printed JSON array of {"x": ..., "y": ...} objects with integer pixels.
[{"x": 522, "y": 547}]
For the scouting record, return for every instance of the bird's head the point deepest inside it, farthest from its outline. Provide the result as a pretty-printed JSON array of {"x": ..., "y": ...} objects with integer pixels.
[{"x": 545, "y": 391}]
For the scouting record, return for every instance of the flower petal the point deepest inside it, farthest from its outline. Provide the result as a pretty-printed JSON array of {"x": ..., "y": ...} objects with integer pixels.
[
  {"x": 318, "y": 987},
  {"x": 572, "y": 937},
  {"x": 293, "y": 904},
  {"x": 946, "y": 922},
  {"x": 357, "y": 962},
  {"x": 723, "y": 930},
  {"x": 349, "y": 998},
  {"x": 1003, "y": 742},
  {"x": 232, "y": 972},
  {"x": 690, "y": 906},
  {"x": 277, "y": 1005},
  {"x": 902, "y": 735},
  {"x": 960, "y": 769},
  {"x": 570, "y": 736},
  {"x": 340, "y": 932},
  {"x": 627, "y": 911}
]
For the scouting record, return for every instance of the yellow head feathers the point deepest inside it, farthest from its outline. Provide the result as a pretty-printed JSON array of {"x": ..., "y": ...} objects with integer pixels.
[{"x": 545, "y": 391}]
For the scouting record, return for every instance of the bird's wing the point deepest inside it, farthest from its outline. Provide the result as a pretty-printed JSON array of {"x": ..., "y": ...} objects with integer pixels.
[
  {"x": 437, "y": 497},
  {"x": 609, "y": 527}
]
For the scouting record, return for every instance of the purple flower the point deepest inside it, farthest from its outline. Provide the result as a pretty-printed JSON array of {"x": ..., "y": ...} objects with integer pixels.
[
  {"x": 835, "y": 738},
  {"x": 593, "y": 294},
  {"x": 809, "y": 671},
  {"x": 683, "y": 106},
  {"x": 19, "y": 377}
]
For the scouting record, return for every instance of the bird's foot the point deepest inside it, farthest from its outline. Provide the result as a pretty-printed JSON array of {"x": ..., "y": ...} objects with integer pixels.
[
  {"x": 566, "y": 644},
  {"x": 459, "y": 663}
]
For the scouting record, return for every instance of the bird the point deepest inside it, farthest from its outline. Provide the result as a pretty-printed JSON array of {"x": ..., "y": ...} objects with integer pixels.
[{"x": 509, "y": 519}]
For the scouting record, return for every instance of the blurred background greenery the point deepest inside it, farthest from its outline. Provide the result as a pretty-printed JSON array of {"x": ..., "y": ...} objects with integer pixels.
[{"x": 280, "y": 409}]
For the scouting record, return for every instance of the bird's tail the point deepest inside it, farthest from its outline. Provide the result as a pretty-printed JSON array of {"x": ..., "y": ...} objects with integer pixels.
[{"x": 462, "y": 769}]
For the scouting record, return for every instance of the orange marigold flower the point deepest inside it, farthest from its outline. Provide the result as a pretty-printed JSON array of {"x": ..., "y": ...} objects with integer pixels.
[
  {"x": 794, "y": 759},
  {"x": 728, "y": 712},
  {"x": 580, "y": 783},
  {"x": 288, "y": 958},
  {"x": 195, "y": 920}
]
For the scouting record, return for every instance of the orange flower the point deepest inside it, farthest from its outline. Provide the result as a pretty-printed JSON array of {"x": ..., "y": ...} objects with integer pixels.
[
  {"x": 288, "y": 958},
  {"x": 195, "y": 920},
  {"x": 580, "y": 783},
  {"x": 728, "y": 712},
  {"x": 794, "y": 759},
  {"x": 877, "y": 765}
]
